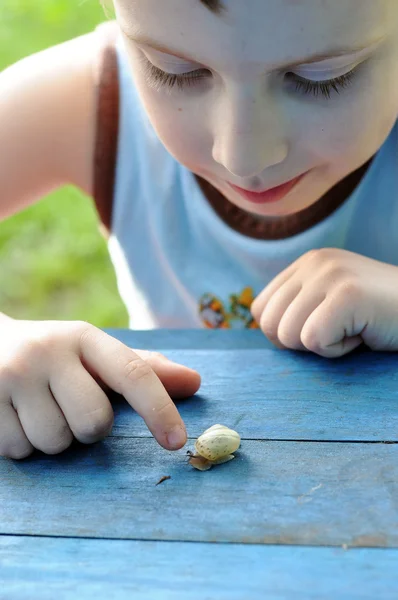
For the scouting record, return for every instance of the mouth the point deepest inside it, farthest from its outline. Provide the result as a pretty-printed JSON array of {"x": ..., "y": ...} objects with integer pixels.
[{"x": 271, "y": 195}]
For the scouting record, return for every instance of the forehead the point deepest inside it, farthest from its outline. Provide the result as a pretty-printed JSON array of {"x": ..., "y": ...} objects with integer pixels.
[{"x": 251, "y": 30}]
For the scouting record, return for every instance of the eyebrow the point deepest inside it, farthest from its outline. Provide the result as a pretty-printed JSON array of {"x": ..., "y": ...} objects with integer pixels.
[{"x": 307, "y": 60}]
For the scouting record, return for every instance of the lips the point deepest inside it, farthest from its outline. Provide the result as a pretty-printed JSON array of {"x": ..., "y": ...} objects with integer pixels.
[{"x": 271, "y": 195}]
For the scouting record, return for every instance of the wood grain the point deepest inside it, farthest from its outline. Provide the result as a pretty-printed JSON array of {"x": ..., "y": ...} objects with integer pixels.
[
  {"x": 272, "y": 493},
  {"x": 192, "y": 339},
  {"x": 312, "y": 477},
  {"x": 270, "y": 394},
  {"x": 48, "y": 568}
]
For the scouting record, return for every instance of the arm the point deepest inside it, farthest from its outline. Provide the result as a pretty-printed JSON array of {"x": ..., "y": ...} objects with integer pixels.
[
  {"x": 47, "y": 123},
  {"x": 54, "y": 375}
]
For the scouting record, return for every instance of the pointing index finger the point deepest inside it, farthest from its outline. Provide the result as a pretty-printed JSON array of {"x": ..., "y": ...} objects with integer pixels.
[{"x": 129, "y": 375}]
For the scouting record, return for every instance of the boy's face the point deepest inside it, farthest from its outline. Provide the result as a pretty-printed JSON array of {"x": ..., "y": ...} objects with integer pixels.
[{"x": 247, "y": 119}]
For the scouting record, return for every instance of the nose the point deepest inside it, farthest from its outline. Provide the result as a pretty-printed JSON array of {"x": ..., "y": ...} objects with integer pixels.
[{"x": 249, "y": 135}]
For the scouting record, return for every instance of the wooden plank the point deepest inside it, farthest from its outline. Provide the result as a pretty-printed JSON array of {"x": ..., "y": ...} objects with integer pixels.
[
  {"x": 268, "y": 394},
  {"x": 194, "y": 339},
  {"x": 45, "y": 568},
  {"x": 272, "y": 493}
]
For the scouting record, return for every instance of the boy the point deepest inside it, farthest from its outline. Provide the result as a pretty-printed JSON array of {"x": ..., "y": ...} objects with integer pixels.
[{"x": 256, "y": 156}]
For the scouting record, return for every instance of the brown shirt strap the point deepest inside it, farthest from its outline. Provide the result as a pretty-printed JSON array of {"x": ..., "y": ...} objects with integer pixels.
[
  {"x": 107, "y": 122},
  {"x": 279, "y": 228}
]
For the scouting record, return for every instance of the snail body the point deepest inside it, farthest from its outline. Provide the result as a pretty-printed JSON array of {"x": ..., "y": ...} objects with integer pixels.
[{"x": 214, "y": 447}]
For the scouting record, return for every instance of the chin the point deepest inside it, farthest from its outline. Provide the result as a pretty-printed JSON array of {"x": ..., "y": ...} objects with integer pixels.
[{"x": 272, "y": 211}]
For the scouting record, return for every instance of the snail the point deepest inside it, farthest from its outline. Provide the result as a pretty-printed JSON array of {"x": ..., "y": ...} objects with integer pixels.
[{"x": 214, "y": 447}]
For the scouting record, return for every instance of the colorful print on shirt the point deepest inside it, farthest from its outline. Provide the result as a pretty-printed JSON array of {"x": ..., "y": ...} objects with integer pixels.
[{"x": 216, "y": 315}]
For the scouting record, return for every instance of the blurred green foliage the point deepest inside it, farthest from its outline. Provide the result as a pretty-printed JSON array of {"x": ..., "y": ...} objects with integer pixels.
[{"x": 54, "y": 263}]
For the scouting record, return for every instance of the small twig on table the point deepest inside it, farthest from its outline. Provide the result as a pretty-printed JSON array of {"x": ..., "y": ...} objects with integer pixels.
[{"x": 163, "y": 479}]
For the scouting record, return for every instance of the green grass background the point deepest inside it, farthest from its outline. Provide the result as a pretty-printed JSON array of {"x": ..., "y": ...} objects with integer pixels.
[{"x": 54, "y": 263}]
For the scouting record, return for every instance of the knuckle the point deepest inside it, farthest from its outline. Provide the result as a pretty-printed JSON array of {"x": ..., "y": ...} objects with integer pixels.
[
  {"x": 15, "y": 370},
  {"x": 81, "y": 326},
  {"x": 83, "y": 330},
  {"x": 29, "y": 356},
  {"x": 314, "y": 254},
  {"x": 315, "y": 257},
  {"x": 10, "y": 373},
  {"x": 328, "y": 261},
  {"x": 137, "y": 369},
  {"x": 164, "y": 408},
  {"x": 321, "y": 254},
  {"x": 95, "y": 426},
  {"x": 350, "y": 289},
  {"x": 22, "y": 360},
  {"x": 335, "y": 270},
  {"x": 38, "y": 348}
]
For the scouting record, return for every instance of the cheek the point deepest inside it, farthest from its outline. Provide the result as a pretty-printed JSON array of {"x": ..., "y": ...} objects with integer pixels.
[
  {"x": 182, "y": 135},
  {"x": 177, "y": 121},
  {"x": 348, "y": 130},
  {"x": 180, "y": 131},
  {"x": 348, "y": 140}
]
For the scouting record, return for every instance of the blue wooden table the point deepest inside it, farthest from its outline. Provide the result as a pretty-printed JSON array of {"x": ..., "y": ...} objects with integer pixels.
[{"x": 308, "y": 509}]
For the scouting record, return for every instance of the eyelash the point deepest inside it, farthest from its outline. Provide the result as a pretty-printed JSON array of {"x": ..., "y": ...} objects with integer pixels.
[
  {"x": 304, "y": 86},
  {"x": 170, "y": 80}
]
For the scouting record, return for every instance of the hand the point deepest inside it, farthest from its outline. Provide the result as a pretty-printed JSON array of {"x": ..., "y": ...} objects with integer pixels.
[
  {"x": 53, "y": 378},
  {"x": 330, "y": 301}
]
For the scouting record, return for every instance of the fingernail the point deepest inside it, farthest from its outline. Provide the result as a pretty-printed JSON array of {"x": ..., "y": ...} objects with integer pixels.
[{"x": 176, "y": 438}]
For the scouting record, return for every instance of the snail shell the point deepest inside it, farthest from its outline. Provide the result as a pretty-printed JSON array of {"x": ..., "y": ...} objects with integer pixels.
[{"x": 217, "y": 444}]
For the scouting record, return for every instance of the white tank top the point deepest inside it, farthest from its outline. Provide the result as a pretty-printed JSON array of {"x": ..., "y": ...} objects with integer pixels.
[{"x": 179, "y": 265}]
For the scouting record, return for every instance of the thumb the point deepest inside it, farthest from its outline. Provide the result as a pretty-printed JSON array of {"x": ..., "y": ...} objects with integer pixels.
[{"x": 179, "y": 381}]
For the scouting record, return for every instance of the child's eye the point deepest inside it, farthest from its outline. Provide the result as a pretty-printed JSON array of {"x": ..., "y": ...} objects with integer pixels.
[
  {"x": 306, "y": 86},
  {"x": 160, "y": 78}
]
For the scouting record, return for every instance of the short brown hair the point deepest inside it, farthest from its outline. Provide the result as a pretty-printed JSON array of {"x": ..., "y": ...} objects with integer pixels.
[{"x": 214, "y": 5}]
